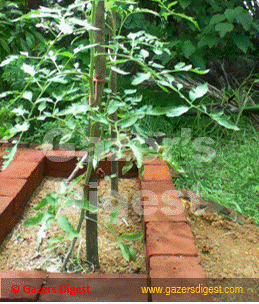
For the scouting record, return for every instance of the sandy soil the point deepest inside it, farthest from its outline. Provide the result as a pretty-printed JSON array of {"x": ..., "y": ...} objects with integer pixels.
[
  {"x": 229, "y": 251},
  {"x": 19, "y": 249}
]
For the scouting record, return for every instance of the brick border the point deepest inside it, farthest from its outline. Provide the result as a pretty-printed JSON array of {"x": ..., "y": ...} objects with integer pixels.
[{"x": 170, "y": 248}]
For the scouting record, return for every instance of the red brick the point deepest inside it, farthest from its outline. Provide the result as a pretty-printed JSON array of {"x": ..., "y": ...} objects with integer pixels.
[
  {"x": 80, "y": 153},
  {"x": 11, "y": 187},
  {"x": 18, "y": 169},
  {"x": 110, "y": 287},
  {"x": 19, "y": 278},
  {"x": 175, "y": 267},
  {"x": 157, "y": 186},
  {"x": 6, "y": 211},
  {"x": 54, "y": 164},
  {"x": 177, "y": 271},
  {"x": 60, "y": 155},
  {"x": 157, "y": 173},
  {"x": 4, "y": 203},
  {"x": 20, "y": 189},
  {"x": 28, "y": 155},
  {"x": 37, "y": 176},
  {"x": 163, "y": 213},
  {"x": 169, "y": 238},
  {"x": 159, "y": 207},
  {"x": 154, "y": 161}
]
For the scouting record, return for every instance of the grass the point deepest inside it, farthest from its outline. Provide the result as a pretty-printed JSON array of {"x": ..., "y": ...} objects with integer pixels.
[{"x": 228, "y": 172}]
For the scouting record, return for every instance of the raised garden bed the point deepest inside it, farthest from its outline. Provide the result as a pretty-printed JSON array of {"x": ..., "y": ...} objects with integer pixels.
[
  {"x": 170, "y": 248},
  {"x": 19, "y": 250}
]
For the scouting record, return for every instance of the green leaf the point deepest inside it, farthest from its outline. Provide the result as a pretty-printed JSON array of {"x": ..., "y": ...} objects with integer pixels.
[
  {"x": 127, "y": 252},
  {"x": 52, "y": 210},
  {"x": 157, "y": 111},
  {"x": 30, "y": 40},
  {"x": 141, "y": 77},
  {"x": 230, "y": 14},
  {"x": 119, "y": 71},
  {"x": 91, "y": 208},
  {"x": 39, "y": 36},
  {"x": 112, "y": 107},
  {"x": 20, "y": 111},
  {"x": 9, "y": 157},
  {"x": 145, "y": 10},
  {"x": 188, "y": 48},
  {"x": 5, "y": 46},
  {"x": 184, "y": 3},
  {"x": 65, "y": 28},
  {"x": 199, "y": 91},
  {"x": 209, "y": 41},
  {"x": 42, "y": 106},
  {"x": 113, "y": 216},
  {"x": 224, "y": 28},
  {"x": 198, "y": 61},
  {"x": 130, "y": 92},
  {"x": 55, "y": 240},
  {"x": 69, "y": 202},
  {"x": 134, "y": 99},
  {"x": 75, "y": 109},
  {"x": 29, "y": 69},
  {"x": 177, "y": 111},
  {"x": 100, "y": 118},
  {"x": 223, "y": 121},
  {"x": 144, "y": 53},
  {"x": 50, "y": 199},
  {"x": 83, "y": 23},
  {"x": 44, "y": 99},
  {"x": 127, "y": 122},
  {"x": 139, "y": 131},
  {"x": 8, "y": 60},
  {"x": 58, "y": 79},
  {"x": 243, "y": 42},
  {"x": 179, "y": 65},
  {"x": 67, "y": 54},
  {"x": 137, "y": 152},
  {"x": 217, "y": 19},
  {"x": 131, "y": 236},
  {"x": 244, "y": 18},
  {"x": 27, "y": 95},
  {"x": 51, "y": 247},
  {"x": 186, "y": 18},
  {"x": 85, "y": 204},
  {"x": 82, "y": 48},
  {"x": 64, "y": 224},
  {"x": 127, "y": 167},
  {"x": 133, "y": 257},
  {"x": 42, "y": 204},
  {"x": 6, "y": 93},
  {"x": 35, "y": 220}
]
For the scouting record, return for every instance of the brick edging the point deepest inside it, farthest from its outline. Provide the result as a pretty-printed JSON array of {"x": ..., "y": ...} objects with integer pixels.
[{"x": 170, "y": 248}]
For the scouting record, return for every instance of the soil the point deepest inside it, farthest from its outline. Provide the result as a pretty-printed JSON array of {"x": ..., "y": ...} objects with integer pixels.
[
  {"x": 19, "y": 252},
  {"x": 228, "y": 249}
]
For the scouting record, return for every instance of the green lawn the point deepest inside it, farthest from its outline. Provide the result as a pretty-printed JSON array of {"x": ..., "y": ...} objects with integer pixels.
[{"x": 230, "y": 175}]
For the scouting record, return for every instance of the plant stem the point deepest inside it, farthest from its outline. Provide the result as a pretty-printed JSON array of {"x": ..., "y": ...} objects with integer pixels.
[
  {"x": 91, "y": 134},
  {"x": 82, "y": 214},
  {"x": 113, "y": 88}
]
